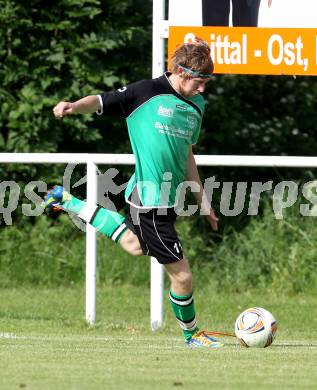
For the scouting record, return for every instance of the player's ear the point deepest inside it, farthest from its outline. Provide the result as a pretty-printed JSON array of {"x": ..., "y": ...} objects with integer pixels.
[{"x": 179, "y": 71}]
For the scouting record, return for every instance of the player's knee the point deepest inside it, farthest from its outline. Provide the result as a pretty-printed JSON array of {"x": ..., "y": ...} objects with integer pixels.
[
  {"x": 184, "y": 280},
  {"x": 135, "y": 251},
  {"x": 130, "y": 243}
]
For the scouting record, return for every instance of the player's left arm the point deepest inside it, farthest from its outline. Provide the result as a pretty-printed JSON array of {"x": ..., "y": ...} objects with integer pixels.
[{"x": 202, "y": 201}]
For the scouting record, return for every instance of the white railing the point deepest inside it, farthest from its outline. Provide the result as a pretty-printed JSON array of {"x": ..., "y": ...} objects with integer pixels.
[{"x": 92, "y": 160}]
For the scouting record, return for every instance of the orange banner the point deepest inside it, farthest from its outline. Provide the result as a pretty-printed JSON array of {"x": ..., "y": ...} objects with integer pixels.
[{"x": 255, "y": 50}]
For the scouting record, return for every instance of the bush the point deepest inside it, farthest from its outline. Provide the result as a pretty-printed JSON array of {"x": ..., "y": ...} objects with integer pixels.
[
  {"x": 52, "y": 252},
  {"x": 268, "y": 254}
]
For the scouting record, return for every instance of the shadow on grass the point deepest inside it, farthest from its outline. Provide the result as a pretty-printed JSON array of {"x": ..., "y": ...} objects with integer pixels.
[
  {"x": 295, "y": 345},
  {"x": 275, "y": 345}
]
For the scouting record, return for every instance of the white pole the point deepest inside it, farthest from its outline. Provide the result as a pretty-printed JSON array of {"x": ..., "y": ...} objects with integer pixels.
[
  {"x": 91, "y": 247},
  {"x": 128, "y": 159},
  {"x": 157, "y": 292},
  {"x": 158, "y": 57},
  {"x": 158, "y": 67}
]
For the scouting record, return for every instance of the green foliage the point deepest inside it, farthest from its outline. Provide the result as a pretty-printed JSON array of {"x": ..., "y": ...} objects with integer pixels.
[
  {"x": 263, "y": 115},
  {"x": 52, "y": 252},
  {"x": 268, "y": 254},
  {"x": 63, "y": 50},
  {"x": 45, "y": 253}
]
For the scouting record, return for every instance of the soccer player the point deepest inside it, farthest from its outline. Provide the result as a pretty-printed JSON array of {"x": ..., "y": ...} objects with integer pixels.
[{"x": 164, "y": 117}]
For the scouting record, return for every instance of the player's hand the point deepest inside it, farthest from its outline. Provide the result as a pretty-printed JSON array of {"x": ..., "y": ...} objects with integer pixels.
[
  {"x": 269, "y": 3},
  {"x": 63, "y": 108},
  {"x": 213, "y": 220}
]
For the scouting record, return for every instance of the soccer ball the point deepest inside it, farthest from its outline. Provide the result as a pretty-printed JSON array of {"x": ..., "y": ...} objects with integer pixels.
[{"x": 255, "y": 327}]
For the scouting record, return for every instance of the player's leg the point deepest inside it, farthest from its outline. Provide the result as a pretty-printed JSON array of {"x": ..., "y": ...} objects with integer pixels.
[
  {"x": 215, "y": 12},
  {"x": 107, "y": 222},
  {"x": 130, "y": 243},
  {"x": 245, "y": 13},
  {"x": 159, "y": 239},
  {"x": 182, "y": 302},
  {"x": 181, "y": 296},
  {"x": 180, "y": 276}
]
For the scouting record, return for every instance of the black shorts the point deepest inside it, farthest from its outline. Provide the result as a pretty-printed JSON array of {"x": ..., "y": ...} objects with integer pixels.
[{"x": 156, "y": 233}]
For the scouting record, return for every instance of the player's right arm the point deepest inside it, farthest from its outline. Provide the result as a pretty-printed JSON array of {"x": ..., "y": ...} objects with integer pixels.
[
  {"x": 115, "y": 103},
  {"x": 86, "y": 105}
]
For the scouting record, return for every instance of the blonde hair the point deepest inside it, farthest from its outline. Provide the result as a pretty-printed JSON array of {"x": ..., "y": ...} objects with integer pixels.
[{"x": 195, "y": 56}]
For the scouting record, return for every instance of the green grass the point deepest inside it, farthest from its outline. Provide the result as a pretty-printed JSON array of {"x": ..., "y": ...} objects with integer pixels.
[
  {"x": 45, "y": 343},
  {"x": 279, "y": 255}
]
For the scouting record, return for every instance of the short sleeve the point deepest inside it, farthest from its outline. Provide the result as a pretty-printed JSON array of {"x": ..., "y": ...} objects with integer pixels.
[{"x": 117, "y": 103}]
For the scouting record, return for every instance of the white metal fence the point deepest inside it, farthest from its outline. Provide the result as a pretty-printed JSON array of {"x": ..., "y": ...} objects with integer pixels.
[{"x": 92, "y": 160}]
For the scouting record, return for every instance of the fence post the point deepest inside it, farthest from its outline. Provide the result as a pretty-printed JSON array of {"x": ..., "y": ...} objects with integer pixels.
[
  {"x": 91, "y": 247},
  {"x": 158, "y": 67},
  {"x": 157, "y": 289}
]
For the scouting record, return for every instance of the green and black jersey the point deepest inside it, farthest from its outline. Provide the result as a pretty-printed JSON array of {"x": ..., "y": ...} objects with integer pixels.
[{"x": 162, "y": 126}]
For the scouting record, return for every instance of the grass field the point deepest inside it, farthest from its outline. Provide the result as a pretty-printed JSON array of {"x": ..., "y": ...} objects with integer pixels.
[{"x": 45, "y": 343}]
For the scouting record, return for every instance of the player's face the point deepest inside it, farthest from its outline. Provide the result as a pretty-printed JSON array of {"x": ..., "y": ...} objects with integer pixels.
[{"x": 192, "y": 86}]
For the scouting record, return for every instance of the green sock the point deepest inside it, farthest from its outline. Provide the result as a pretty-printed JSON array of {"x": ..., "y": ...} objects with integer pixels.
[
  {"x": 107, "y": 222},
  {"x": 184, "y": 310}
]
